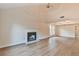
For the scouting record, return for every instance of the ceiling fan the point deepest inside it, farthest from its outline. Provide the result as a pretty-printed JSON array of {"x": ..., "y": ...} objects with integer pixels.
[{"x": 49, "y": 5}]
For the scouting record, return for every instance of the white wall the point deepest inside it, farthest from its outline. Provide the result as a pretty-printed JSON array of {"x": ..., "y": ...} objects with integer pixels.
[
  {"x": 15, "y": 22},
  {"x": 17, "y": 34},
  {"x": 66, "y": 30}
]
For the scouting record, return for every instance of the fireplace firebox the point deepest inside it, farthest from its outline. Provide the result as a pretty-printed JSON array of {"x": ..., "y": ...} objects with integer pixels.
[{"x": 31, "y": 36}]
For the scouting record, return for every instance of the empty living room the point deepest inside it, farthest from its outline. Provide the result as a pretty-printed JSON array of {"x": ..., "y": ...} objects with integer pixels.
[{"x": 39, "y": 29}]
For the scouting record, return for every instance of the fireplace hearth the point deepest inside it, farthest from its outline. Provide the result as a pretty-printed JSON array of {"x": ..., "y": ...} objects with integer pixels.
[{"x": 31, "y": 36}]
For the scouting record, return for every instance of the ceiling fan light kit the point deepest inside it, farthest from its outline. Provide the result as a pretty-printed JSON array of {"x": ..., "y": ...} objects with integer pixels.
[{"x": 61, "y": 16}]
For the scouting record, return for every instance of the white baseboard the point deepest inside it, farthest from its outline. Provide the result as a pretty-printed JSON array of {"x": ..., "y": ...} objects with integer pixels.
[
  {"x": 37, "y": 40},
  {"x": 21, "y": 42},
  {"x": 44, "y": 37},
  {"x": 11, "y": 44}
]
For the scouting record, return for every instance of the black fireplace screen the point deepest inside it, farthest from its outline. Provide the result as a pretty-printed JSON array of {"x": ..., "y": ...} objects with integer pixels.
[{"x": 31, "y": 36}]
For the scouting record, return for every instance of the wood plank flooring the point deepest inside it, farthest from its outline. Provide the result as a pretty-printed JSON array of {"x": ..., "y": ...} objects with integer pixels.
[{"x": 55, "y": 46}]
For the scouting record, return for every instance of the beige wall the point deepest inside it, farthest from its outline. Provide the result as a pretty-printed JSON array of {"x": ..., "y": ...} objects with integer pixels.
[
  {"x": 14, "y": 22},
  {"x": 66, "y": 30}
]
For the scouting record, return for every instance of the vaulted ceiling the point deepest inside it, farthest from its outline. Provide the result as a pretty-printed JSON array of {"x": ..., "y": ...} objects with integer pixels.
[{"x": 70, "y": 11}]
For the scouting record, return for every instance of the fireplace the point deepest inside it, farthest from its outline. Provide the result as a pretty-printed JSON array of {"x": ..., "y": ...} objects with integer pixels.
[{"x": 31, "y": 36}]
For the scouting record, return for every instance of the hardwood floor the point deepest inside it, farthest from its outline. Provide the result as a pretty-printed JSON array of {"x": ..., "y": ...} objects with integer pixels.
[{"x": 56, "y": 46}]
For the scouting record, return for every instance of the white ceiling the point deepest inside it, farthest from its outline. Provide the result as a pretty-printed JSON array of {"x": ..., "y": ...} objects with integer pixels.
[
  {"x": 12, "y": 5},
  {"x": 69, "y": 10}
]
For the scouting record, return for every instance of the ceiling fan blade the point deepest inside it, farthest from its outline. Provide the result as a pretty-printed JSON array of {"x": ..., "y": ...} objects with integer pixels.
[{"x": 48, "y": 6}]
